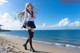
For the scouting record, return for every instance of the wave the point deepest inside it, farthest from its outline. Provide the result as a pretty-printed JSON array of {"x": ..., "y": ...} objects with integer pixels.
[
  {"x": 67, "y": 45},
  {"x": 59, "y": 44}
]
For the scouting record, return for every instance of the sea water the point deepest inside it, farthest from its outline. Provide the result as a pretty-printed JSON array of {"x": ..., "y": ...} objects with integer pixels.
[{"x": 65, "y": 38}]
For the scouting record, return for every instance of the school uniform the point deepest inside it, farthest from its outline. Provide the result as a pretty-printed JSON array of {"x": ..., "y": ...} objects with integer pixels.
[{"x": 28, "y": 20}]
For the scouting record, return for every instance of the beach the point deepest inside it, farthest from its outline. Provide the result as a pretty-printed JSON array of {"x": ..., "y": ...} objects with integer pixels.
[{"x": 14, "y": 44}]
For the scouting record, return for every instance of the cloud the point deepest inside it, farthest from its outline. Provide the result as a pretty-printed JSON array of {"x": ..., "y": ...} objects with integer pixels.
[
  {"x": 64, "y": 22},
  {"x": 8, "y": 22},
  {"x": 75, "y": 24},
  {"x": 3, "y": 2},
  {"x": 43, "y": 26}
]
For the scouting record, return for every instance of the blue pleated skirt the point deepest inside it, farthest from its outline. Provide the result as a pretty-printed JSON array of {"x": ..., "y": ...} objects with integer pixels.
[{"x": 29, "y": 24}]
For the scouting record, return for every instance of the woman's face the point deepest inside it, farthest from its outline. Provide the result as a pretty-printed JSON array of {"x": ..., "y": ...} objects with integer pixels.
[{"x": 29, "y": 7}]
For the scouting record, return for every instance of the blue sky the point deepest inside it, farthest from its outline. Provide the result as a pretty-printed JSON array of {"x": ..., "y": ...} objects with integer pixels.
[{"x": 51, "y": 14}]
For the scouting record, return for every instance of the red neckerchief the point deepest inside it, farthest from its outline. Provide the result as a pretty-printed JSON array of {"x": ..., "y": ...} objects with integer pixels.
[{"x": 31, "y": 13}]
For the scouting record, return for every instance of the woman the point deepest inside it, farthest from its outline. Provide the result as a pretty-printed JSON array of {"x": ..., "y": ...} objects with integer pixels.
[{"x": 28, "y": 16}]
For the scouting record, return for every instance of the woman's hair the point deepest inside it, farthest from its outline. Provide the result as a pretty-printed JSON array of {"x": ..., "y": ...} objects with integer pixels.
[{"x": 21, "y": 14}]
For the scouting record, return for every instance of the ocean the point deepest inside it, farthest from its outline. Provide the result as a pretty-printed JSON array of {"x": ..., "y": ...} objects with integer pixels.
[{"x": 62, "y": 38}]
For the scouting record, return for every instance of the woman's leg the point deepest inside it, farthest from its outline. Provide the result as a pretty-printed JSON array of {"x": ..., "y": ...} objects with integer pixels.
[
  {"x": 31, "y": 33},
  {"x": 29, "y": 30},
  {"x": 30, "y": 39}
]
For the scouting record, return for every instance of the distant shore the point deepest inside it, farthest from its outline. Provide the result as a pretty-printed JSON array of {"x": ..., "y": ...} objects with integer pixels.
[{"x": 3, "y": 30}]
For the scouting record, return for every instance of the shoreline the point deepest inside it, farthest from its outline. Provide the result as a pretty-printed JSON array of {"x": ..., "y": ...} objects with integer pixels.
[
  {"x": 58, "y": 45},
  {"x": 15, "y": 44}
]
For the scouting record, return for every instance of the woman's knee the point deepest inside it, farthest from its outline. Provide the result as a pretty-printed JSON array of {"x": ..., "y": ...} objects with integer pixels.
[
  {"x": 28, "y": 27},
  {"x": 32, "y": 29}
]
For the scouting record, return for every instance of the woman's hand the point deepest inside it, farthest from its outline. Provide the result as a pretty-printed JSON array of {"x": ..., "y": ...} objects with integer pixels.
[{"x": 21, "y": 27}]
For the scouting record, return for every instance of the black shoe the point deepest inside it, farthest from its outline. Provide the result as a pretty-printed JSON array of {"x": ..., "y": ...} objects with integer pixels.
[
  {"x": 25, "y": 46},
  {"x": 31, "y": 49}
]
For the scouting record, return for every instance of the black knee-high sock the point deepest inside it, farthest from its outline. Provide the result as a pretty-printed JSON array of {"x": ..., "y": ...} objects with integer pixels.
[
  {"x": 29, "y": 31},
  {"x": 30, "y": 39},
  {"x": 27, "y": 41}
]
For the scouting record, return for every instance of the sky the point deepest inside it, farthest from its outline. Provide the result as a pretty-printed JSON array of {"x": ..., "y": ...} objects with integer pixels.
[{"x": 51, "y": 14}]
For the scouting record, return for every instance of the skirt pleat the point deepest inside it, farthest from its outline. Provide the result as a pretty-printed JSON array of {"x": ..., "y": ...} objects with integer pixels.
[{"x": 29, "y": 24}]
